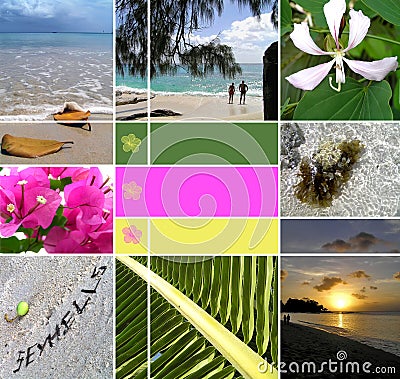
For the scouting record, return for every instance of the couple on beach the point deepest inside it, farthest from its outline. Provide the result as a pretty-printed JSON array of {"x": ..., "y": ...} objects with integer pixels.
[{"x": 243, "y": 88}]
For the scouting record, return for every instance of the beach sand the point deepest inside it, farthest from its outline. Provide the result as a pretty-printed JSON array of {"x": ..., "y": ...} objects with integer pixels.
[
  {"x": 199, "y": 108},
  {"x": 304, "y": 344},
  {"x": 51, "y": 285},
  {"x": 95, "y": 147}
]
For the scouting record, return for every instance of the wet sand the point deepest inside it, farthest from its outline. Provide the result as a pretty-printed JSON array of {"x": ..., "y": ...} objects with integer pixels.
[
  {"x": 304, "y": 344},
  {"x": 90, "y": 147},
  {"x": 198, "y": 108}
]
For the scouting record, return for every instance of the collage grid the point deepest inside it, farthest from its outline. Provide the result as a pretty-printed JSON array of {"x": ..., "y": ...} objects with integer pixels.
[{"x": 151, "y": 229}]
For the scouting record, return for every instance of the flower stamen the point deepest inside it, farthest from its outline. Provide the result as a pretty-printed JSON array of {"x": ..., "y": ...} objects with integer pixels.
[
  {"x": 41, "y": 199},
  {"x": 339, "y": 87},
  {"x": 10, "y": 208}
]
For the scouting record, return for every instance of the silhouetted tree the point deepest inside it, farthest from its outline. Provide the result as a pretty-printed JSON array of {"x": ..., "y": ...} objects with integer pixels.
[
  {"x": 304, "y": 305},
  {"x": 172, "y": 22}
]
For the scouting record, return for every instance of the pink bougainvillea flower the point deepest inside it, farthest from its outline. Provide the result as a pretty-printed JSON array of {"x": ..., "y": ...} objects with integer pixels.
[
  {"x": 89, "y": 200},
  {"x": 132, "y": 190},
  {"x": 132, "y": 234},
  {"x": 35, "y": 207},
  {"x": 309, "y": 78}
]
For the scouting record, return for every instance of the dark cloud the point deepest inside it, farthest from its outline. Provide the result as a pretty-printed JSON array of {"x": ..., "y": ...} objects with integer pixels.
[
  {"x": 328, "y": 283},
  {"x": 373, "y": 288},
  {"x": 284, "y": 275},
  {"x": 359, "y": 296},
  {"x": 363, "y": 290},
  {"x": 306, "y": 283},
  {"x": 361, "y": 243},
  {"x": 396, "y": 276},
  {"x": 338, "y": 246},
  {"x": 359, "y": 274}
]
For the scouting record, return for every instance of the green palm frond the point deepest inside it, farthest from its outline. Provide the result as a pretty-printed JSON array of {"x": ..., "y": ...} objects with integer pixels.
[{"x": 186, "y": 342}]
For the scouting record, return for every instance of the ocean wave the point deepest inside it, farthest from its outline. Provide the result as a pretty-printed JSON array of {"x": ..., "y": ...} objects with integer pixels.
[
  {"x": 101, "y": 110},
  {"x": 128, "y": 90}
]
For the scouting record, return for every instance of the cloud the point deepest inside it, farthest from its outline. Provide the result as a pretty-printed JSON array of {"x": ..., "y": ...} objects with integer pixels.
[
  {"x": 328, "y": 283},
  {"x": 28, "y": 8},
  {"x": 338, "y": 246},
  {"x": 396, "y": 276},
  {"x": 394, "y": 226},
  {"x": 359, "y": 296},
  {"x": 284, "y": 275},
  {"x": 362, "y": 242},
  {"x": 363, "y": 290},
  {"x": 55, "y": 15},
  {"x": 359, "y": 274},
  {"x": 373, "y": 288},
  {"x": 306, "y": 283},
  {"x": 249, "y": 38}
]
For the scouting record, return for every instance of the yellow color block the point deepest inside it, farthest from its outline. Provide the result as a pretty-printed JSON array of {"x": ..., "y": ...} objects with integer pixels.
[
  {"x": 214, "y": 236},
  {"x": 122, "y": 247}
]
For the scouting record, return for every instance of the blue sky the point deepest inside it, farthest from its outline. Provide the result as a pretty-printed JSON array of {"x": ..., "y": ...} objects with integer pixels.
[
  {"x": 248, "y": 36},
  {"x": 56, "y": 16},
  {"x": 340, "y": 236}
]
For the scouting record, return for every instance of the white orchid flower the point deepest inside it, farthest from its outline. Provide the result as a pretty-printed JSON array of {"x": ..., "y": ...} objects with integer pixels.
[{"x": 359, "y": 24}]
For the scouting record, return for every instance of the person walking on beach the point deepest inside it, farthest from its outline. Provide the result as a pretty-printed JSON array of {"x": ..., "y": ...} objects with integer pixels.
[
  {"x": 231, "y": 91},
  {"x": 288, "y": 319},
  {"x": 243, "y": 88},
  {"x": 284, "y": 320}
]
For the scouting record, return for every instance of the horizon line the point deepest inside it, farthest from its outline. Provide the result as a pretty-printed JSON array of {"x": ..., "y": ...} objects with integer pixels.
[{"x": 56, "y": 32}]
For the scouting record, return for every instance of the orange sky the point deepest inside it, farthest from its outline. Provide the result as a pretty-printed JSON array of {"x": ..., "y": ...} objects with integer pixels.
[{"x": 344, "y": 283}]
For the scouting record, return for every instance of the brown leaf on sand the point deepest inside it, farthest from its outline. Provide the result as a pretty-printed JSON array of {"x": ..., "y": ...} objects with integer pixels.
[
  {"x": 71, "y": 118},
  {"x": 29, "y": 147}
]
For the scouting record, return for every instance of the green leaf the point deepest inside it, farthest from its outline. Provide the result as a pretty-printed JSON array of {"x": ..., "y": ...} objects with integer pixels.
[
  {"x": 26, "y": 231},
  {"x": 249, "y": 285},
  {"x": 360, "y": 6},
  {"x": 387, "y": 9},
  {"x": 316, "y": 8},
  {"x": 286, "y": 17},
  {"x": 356, "y": 101},
  {"x": 263, "y": 293},
  {"x": 60, "y": 184},
  {"x": 35, "y": 246},
  {"x": 236, "y": 293},
  {"x": 13, "y": 245},
  {"x": 313, "y": 6}
]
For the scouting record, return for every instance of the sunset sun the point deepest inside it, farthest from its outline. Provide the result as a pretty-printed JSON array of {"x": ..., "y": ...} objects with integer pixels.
[{"x": 340, "y": 301}]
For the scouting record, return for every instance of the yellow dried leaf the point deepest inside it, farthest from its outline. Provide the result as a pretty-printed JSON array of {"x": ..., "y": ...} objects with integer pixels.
[
  {"x": 29, "y": 147},
  {"x": 71, "y": 116}
]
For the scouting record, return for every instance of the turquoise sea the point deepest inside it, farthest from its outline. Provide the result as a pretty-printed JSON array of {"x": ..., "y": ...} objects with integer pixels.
[
  {"x": 40, "y": 71},
  {"x": 183, "y": 83}
]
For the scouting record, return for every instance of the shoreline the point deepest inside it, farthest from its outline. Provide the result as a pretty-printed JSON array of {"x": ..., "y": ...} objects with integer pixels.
[
  {"x": 195, "y": 107},
  {"x": 300, "y": 343}
]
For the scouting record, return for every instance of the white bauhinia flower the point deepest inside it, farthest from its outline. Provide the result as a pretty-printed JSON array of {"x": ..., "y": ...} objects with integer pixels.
[{"x": 309, "y": 78}]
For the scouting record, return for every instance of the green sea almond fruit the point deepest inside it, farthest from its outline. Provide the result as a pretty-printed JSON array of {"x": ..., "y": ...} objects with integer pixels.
[{"x": 22, "y": 308}]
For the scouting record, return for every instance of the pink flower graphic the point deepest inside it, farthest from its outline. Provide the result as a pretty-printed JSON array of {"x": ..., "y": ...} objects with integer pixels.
[
  {"x": 132, "y": 190},
  {"x": 132, "y": 234}
]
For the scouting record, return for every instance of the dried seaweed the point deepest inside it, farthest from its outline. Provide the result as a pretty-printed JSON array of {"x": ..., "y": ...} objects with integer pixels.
[{"x": 326, "y": 172}]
